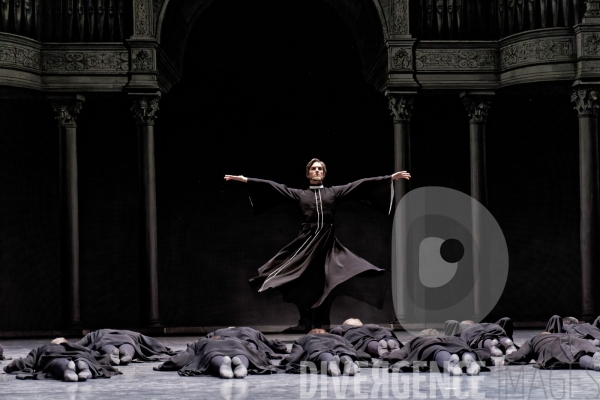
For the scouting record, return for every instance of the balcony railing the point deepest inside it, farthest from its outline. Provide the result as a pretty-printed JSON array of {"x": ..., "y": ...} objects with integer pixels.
[
  {"x": 67, "y": 20},
  {"x": 489, "y": 19}
]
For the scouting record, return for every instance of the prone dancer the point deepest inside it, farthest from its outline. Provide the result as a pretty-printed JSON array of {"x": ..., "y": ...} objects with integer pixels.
[
  {"x": 372, "y": 339},
  {"x": 272, "y": 349},
  {"x": 557, "y": 350},
  {"x": 123, "y": 346},
  {"x": 572, "y": 326},
  {"x": 483, "y": 335},
  {"x": 450, "y": 353},
  {"x": 63, "y": 361},
  {"x": 219, "y": 356},
  {"x": 319, "y": 347}
]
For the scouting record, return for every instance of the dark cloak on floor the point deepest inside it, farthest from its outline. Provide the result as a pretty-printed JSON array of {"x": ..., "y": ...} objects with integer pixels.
[
  {"x": 360, "y": 336},
  {"x": 425, "y": 348},
  {"x": 273, "y": 349},
  {"x": 555, "y": 350},
  {"x": 309, "y": 347},
  {"x": 34, "y": 365},
  {"x": 146, "y": 348},
  {"x": 584, "y": 331},
  {"x": 195, "y": 360},
  {"x": 475, "y": 335},
  {"x": 312, "y": 265},
  {"x": 454, "y": 328}
]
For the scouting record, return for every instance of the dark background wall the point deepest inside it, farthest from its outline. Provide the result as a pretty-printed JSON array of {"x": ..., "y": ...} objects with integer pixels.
[{"x": 266, "y": 87}]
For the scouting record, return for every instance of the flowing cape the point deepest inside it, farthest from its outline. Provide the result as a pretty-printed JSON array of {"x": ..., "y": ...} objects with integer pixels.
[{"x": 310, "y": 267}]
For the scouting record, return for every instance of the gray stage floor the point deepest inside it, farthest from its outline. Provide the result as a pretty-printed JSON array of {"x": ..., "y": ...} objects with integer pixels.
[{"x": 139, "y": 381}]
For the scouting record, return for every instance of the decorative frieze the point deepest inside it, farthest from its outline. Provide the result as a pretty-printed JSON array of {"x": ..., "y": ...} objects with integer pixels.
[
  {"x": 591, "y": 44},
  {"x": 534, "y": 51},
  {"x": 19, "y": 56},
  {"x": 462, "y": 59},
  {"x": 85, "y": 61},
  {"x": 402, "y": 59},
  {"x": 141, "y": 60}
]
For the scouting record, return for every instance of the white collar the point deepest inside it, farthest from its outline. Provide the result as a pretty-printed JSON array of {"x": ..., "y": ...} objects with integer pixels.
[{"x": 315, "y": 187}]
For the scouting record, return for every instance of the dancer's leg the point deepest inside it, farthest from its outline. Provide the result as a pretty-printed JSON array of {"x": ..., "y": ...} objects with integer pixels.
[
  {"x": 63, "y": 369},
  {"x": 472, "y": 367},
  {"x": 83, "y": 370},
  {"x": 587, "y": 362},
  {"x": 221, "y": 366},
  {"x": 114, "y": 353},
  {"x": 333, "y": 367},
  {"x": 350, "y": 367},
  {"x": 126, "y": 353},
  {"x": 241, "y": 364}
]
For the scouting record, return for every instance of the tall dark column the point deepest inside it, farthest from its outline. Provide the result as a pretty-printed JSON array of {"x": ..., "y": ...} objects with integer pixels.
[
  {"x": 144, "y": 109},
  {"x": 586, "y": 104},
  {"x": 477, "y": 105},
  {"x": 401, "y": 107},
  {"x": 67, "y": 109}
]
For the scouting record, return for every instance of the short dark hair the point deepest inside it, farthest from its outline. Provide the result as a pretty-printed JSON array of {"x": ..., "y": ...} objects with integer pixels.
[{"x": 314, "y": 160}]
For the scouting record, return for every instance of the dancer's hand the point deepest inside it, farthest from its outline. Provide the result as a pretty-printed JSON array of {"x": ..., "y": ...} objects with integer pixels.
[
  {"x": 240, "y": 178},
  {"x": 401, "y": 174}
]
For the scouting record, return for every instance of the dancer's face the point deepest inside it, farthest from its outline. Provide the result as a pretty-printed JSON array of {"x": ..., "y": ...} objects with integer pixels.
[{"x": 316, "y": 173}]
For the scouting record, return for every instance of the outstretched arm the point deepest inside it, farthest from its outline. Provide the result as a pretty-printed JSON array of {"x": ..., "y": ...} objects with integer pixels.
[
  {"x": 240, "y": 178},
  {"x": 401, "y": 174}
]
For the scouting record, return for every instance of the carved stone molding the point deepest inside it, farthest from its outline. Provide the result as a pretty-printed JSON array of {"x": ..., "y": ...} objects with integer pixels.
[
  {"x": 156, "y": 6},
  {"x": 477, "y": 106},
  {"x": 85, "y": 61},
  {"x": 536, "y": 50},
  {"x": 592, "y": 12},
  {"x": 141, "y": 60},
  {"x": 401, "y": 106},
  {"x": 141, "y": 18},
  {"x": 465, "y": 59},
  {"x": 586, "y": 101},
  {"x": 402, "y": 59},
  {"x": 591, "y": 44},
  {"x": 400, "y": 17},
  {"x": 19, "y": 56},
  {"x": 67, "y": 110},
  {"x": 145, "y": 107}
]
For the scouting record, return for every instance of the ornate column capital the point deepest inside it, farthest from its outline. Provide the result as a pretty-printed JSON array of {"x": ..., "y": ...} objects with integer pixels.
[
  {"x": 145, "y": 107},
  {"x": 586, "y": 100},
  {"x": 401, "y": 106},
  {"x": 67, "y": 109},
  {"x": 477, "y": 105}
]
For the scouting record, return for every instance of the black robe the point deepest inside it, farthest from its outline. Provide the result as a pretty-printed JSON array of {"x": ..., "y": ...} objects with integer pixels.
[
  {"x": 313, "y": 264},
  {"x": 35, "y": 365},
  {"x": 555, "y": 325},
  {"x": 195, "y": 360},
  {"x": 310, "y": 347},
  {"x": 360, "y": 336},
  {"x": 271, "y": 348},
  {"x": 475, "y": 335},
  {"x": 146, "y": 348},
  {"x": 584, "y": 331},
  {"x": 425, "y": 348},
  {"x": 555, "y": 350}
]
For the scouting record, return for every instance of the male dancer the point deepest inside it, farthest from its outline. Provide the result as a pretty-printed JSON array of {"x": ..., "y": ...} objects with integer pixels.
[{"x": 312, "y": 265}]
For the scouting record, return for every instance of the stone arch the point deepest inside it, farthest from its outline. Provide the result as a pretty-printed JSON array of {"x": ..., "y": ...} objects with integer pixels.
[{"x": 365, "y": 19}]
